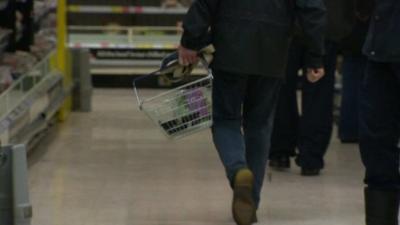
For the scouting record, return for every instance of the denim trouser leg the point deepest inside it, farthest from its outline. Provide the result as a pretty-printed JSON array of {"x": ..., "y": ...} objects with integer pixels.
[
  {"x": 228, "y": 92},
  {"x": 380, "y": 125},
  {"x": 248, "y": 100},
  {"x": 258, "y": 113}
]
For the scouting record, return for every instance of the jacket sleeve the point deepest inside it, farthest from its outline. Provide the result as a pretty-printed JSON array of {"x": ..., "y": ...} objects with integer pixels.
[
  {"x": 197, "y": 23},
  {"x": 364, "y": 8},
  {"x": 311, "y": 15}
]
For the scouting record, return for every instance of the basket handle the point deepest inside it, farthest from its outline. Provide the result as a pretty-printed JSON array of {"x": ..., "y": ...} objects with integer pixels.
[
  {"x": 139, "y": 100},
  {"x": 203, "y": 61}
]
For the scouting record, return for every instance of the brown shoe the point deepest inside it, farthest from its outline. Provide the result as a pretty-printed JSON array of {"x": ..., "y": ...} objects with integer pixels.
[{"x": 243, "y": 207}]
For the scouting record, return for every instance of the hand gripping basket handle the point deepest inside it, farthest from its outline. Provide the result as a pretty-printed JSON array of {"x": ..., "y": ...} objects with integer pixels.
[{"x": 203, "y": 61}]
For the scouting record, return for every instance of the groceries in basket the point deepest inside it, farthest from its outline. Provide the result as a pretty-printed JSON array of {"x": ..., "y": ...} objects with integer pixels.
[{"x": 192, "y": 108}]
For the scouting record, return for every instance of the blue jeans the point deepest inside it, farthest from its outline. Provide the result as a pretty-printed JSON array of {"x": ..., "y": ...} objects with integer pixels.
[
  {"x": 353, "y": 74},
  {"x": 244, "y": 107},
  {"x": 380, "y": 125}
]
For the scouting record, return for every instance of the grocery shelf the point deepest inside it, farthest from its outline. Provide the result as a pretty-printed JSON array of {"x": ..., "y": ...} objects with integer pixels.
[
  {"x": 124, "y": 50},
  {"x": 146, "y": 45},
  {"x": 111, "y": 45},
  {"x": 131, "y": 63},
  {"x": 28, "y": 98},
  {"x": 126, "y": 9},
  {"x": 44, "y": 13},
  {"x": 120, "y": 51},
  {"x": 3, "y": 4},
  {"x": 129, "y": 67},
  {"x": 135, "y": 71},
  {"x": 123, "y": 37},
  {"x": 15, "y": 94},
  {"x": 4, "y": 38}
]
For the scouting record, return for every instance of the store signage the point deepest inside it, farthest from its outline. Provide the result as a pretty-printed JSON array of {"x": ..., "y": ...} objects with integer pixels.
[{"x": 151, "y": 54}]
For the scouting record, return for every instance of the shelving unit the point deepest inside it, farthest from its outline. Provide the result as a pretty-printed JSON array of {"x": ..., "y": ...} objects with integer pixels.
[
  {"x": 153, "y": 10},
  {"x": 7, "y": 25},
  {"x": 42, "y": 9},
  {"x": 3, "y": 4},
  {"x": 125, "y": 38},
  {"x": 30, "y": 103},
  {"x": 5, "y": 35}
]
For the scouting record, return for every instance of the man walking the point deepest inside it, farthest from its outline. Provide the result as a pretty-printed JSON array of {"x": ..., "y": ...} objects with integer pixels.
[
  {"x": 251, "y": 39},
  {"x": 380, "y": 113}
]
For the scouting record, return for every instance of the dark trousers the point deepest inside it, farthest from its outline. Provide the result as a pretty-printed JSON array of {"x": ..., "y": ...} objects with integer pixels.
[
  {"x": 380, "y": 125},
  {"x": 243, "y": 112},
  {"x": 310, "y": 132},
  {"x": 353, "y": 74}
]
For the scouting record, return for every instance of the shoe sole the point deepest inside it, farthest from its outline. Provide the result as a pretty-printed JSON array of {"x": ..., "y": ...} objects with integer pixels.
[
  {"x": 279, "y": 168},
  {"x": 310, "y": 174},
  {"x": 274, "y": 164},
  {"x": 243, "y": 208}
]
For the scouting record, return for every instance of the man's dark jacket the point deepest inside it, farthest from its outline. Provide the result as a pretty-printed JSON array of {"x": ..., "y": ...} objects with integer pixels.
[
  {"x": 252, "y": 36},
  {"x": 341, "y": 18},
  {"x": 383, "y": 40},
  {"x": 353, "y": 43}
]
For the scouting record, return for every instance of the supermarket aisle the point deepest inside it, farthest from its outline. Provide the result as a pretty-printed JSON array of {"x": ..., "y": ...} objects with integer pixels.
[{"x": 112, "y": 167}]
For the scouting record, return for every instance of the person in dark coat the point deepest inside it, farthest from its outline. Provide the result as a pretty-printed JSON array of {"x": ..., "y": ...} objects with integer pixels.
[
  {"x": 380, "y": 113},
  {"x": 353, "y": 72},
  {"x": 310, "y": 131},
  {"x": 251, "y": 39}
]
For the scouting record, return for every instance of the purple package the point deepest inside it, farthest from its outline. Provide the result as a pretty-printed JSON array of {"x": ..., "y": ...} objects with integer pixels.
[{"x": 197, "y": 102}]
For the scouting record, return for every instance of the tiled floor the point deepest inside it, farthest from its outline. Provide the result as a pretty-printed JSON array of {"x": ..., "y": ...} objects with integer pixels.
[{"x": 112, "y": 167}]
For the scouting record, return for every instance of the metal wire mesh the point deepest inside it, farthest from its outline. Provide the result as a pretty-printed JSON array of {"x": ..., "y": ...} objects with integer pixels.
[{"x": 182, "y": 111}]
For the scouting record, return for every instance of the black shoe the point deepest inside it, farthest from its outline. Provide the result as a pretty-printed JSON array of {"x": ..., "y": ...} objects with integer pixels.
[
  {"x": 307, "y": 172},
  {"x": 255, "y": 219},
  {"x": 381, "y": 207},
  {"x": 280, "y": 163},
  {"x": 349, "y": 140}
]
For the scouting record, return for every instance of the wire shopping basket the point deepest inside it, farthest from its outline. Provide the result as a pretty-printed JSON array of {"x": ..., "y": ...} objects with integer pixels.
[{"x": 181, "y": 111}]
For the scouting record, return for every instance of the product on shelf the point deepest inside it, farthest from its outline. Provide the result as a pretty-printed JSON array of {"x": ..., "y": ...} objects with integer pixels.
[
  {"x": 175, "y": 3},
  {"x": 5, "y": 78},
  {"x": 4, "y": 37},
  {"x": 49, "y": 22},
  {"x": 171, "y": 4},
  {"x": 19, "y": 62},
  {"x": 114, "y": 28},
  {"x": 44, "y": 43},
  {"x": 42, "y": 7},
  {"x": 3, "y": 4},
  {"x": 186, "y": 3},
  {"x": 19, "y": 25},
  {"x": 4, "y": 32},
  {"x": 179, "y": 27}
]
